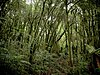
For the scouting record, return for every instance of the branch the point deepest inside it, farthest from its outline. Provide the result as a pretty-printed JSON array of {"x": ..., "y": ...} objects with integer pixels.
[
  {"x": 63, "y": 33},
  {"x": 74, "y": 5}
]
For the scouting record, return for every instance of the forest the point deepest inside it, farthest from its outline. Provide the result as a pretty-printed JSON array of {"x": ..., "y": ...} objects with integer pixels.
[{"x": 49, "y": 37}]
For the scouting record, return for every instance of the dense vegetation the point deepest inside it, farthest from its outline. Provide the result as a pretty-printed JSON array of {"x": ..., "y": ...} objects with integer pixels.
[{"x": 49, "y": 37}]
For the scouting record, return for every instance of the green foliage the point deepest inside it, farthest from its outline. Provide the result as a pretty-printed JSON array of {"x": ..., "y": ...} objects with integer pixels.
[
  {"x": 44, "y": 61},
  {"x": 90, "y": 48},
  {"x": 13, "y": 64},
  {"x": 48, "y": 37}
]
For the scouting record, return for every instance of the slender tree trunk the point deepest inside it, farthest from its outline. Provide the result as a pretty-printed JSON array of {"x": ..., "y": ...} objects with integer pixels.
[
  {"x": 68, "y": 27},
  {"x": 98, "y": 18},
  {"x": 93, "y": 33}
]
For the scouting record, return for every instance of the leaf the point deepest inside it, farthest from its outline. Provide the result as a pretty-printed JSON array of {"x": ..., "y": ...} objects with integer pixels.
[
  {"x": 90, "y": 48},
  {"x": 25, "y": 62}
]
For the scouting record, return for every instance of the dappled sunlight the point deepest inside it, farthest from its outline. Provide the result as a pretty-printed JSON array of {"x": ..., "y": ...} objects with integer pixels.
[{"x": 49, "y": 37}]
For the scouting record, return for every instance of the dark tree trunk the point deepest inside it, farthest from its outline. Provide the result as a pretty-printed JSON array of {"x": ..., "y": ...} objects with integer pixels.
[
  {"x": 98, "y": 19},
  {"x": 2, "y": 14}
]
